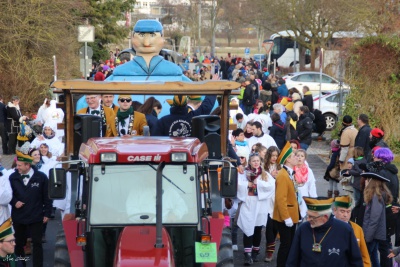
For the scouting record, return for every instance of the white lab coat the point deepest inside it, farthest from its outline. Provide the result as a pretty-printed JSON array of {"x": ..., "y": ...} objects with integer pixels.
[
  {"x": 253, "y": 211},
  {"x": 5, "y": 196}
]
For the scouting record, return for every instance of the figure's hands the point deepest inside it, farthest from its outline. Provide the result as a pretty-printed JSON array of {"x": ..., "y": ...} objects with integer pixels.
[{"x": 19, "y": 204}]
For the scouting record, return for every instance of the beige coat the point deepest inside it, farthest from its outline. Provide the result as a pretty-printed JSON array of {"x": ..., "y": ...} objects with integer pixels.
[{"x": 347, "y": 141}]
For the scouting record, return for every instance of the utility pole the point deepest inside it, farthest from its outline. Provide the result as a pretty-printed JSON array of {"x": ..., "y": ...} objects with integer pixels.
[
  {"x": 213, "y": 30},
  {"x": 199, "y": 30}
]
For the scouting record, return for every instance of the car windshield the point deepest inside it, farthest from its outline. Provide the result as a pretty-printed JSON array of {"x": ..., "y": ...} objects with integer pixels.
[{"x": 126, "y": 194}]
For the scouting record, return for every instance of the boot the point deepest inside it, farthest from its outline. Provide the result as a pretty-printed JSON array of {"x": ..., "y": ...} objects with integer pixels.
[
  {"x": 254, "y": 255},
  {"x": 336, "y": 193},
  {"x": 330, "y": 193},
  {"x": 247, "y": 259},
  {"x": 28, "y": 247}
]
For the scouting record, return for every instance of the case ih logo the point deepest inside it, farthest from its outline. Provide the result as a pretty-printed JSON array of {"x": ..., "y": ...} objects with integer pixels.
[{"x": 144, "y": 158}]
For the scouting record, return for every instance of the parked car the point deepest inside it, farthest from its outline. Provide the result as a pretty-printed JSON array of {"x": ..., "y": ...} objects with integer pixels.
[
  {"x": 311, "y": 79},
  {"x": 330, "y": 106}
]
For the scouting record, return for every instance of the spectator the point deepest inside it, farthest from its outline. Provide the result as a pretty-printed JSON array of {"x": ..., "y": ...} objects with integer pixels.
[
  {"x": 278, "y": 130},
  {"x": 99, "y": 76},
  {"x": 151, "y": 108},
  {"x": 319, "y": 125},
  {"x": 362, "y": 138},
  {"x": 376, "y": 138},
  {"x": 347, "y": 136},
  {"x": 249, "y": 97},
  {"x": 356, "y": 173},
  {"x": 376, "y": 197},
  {"x": 308, "y": 98},
  {"x": 279, "y": 109},
  {"x": 260, "y": 137},
  {"x": 282, "y": 88},
  {"x": 332, "y": 171},
  {"x": 3, "y": 130},
  {"x": 13, "y": 120},
  {"x": 248, "y": 132},
  {"x": 297, "y": 103},
  {"x": 304, "y": 127}
]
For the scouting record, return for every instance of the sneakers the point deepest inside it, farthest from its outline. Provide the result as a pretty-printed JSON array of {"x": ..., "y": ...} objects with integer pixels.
[
  {"x": 235, "y": 247},
  {"x": 254, "y": 255},
  {"x": 268, "y": 257},
  {"x": 247, "y": 259}
]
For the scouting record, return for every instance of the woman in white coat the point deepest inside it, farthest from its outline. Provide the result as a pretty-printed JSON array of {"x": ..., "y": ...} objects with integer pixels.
[
  {"x": 5, "y": 195},
  {"x": 49, "y": 137},
  {"x": 253, "y": 192},
  {"x": 305, "y": 180}
]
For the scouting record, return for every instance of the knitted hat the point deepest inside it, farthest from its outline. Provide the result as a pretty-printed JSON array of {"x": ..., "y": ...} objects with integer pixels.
[
  {"x": 335, "y": 145},
  {"x": 351, "y": 160},
  {"x": 296, "y": 96},
  {"x": 319, "y": 203},
  {"x": 23, "y": 153},
  {"x": 178, "y": 101},
  {"x": 378, "y": 133},
  {"x": 285, "y": 153},
  {"x": 343, "y": 202},
  {"x": 6, "y": 229},
  {"x": 195, "y": 97}
]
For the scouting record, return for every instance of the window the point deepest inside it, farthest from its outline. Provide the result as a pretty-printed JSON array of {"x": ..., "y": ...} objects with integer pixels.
[{"x": 304, "y": 78}]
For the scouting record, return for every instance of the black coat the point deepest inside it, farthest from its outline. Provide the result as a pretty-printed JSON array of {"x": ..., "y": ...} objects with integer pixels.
[
  {"x": 249, "y": 95},
  {"x": 309, "y": 102},
  {"x": 34, "y": 195},
  {"x": 13, "y": 115},
  {"x": 152, "y": 121},
  {"x": 319, "y": 121},
  {"x": 3, "y": 113},
  {"x": 304, "y": 128},
  {"x": 179, "y": 121},
  {"x": 362, "y": 140},
  {"x": 278, "y": 133}
]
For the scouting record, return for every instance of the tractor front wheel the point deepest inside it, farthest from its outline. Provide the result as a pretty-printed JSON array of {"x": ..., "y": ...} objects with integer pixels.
[
  {"x": 61, "y": 256},
  {"x": 225, "y": 255}
]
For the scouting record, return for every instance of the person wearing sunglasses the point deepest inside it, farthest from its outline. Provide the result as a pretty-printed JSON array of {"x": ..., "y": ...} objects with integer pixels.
[
  {"x": 107, "y": 115},
  {"x": 128, "y": 122}
]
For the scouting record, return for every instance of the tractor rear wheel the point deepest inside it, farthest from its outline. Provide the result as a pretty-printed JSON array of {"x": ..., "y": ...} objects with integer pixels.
[
  {"x": 225, "y": 255},
  {"x": 61, "y": 256}
]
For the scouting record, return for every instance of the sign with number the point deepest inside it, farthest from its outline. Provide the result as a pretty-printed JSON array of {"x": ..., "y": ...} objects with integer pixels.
[
  {"x": 86, "y": 33},
  {"x": 206, "y": 252},
  {"x": 247, "y": 50}
]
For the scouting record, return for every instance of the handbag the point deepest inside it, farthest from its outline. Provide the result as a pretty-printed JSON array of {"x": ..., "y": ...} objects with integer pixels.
[{"x": 335, "y": 174}]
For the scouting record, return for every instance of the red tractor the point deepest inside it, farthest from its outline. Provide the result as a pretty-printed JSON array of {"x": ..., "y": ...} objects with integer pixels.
[{"x": 141, "y": 200}]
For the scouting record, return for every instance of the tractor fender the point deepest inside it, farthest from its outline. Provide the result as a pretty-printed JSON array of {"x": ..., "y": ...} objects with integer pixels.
[
  {"x": 75, "y": 251},
  {"x": 135, "y": 247}
]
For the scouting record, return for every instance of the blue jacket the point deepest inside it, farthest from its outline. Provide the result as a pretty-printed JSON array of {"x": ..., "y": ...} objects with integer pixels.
[
  {"x": 283, "y": 91},
  {"x": 34, "y": 195},
  {"x": 179, "y": 122},
  {"x": 338, "y": 248},
  {"x": 374, "y": 224}
]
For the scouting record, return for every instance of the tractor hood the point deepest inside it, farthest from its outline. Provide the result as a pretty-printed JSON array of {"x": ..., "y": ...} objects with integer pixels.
[{"x": 135, "y": 247}]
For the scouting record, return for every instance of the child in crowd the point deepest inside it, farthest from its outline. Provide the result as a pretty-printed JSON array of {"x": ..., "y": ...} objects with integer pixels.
[
  {"x": 347, "y": 177},
  {"x": 332, "y": 173},
  {"x": 356, "y": 173}
]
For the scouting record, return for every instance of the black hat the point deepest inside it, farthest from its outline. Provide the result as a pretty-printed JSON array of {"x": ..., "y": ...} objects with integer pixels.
[
  {"x": 347, "y": 119},
  {"x": 374, "y": 176}
]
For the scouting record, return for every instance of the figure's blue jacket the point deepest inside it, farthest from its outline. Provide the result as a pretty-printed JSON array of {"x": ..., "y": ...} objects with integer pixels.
[{"x": 339, "y": 247}]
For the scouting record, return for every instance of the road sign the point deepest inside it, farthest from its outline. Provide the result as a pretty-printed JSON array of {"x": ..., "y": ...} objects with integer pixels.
[
  {"x": 82, "y": 52},
  {"x": 85, "y": 33},
  {"x": 247, "y": 52}
]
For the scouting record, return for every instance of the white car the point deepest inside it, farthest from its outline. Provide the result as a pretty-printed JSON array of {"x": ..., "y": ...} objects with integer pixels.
[
  {"x": 330, "y": 106},
  {"x": 311, "y": 79}
]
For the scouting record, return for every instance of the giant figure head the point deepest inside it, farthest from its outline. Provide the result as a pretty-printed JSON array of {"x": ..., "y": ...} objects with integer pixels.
[{"x": 147, "y": 37}]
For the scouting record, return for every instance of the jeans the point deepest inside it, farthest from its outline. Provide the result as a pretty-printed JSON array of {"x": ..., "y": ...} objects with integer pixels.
[
  {"x": 248, "y": 109},
  {"x": 333, "y": 185},
  {"x": 384, "y": 249},
  {"x": 304, "y": 146},
  {"x": 373, "y": 252}
]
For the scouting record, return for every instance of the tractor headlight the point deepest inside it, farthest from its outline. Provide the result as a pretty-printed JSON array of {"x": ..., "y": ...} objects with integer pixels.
[
  {"x": 108, "y": 157},
  {"x": 179, "y": 157}
]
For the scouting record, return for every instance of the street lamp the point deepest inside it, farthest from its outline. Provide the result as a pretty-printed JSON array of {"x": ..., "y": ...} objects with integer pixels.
[{"x": 267, "y": 45}]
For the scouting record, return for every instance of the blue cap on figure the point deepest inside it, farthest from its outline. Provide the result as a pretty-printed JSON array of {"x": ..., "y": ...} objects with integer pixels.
[{"x": 148, "y": 25}]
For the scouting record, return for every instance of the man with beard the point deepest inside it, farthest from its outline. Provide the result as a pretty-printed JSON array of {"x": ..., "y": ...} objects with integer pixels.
[{"x": 323, "y": 240}]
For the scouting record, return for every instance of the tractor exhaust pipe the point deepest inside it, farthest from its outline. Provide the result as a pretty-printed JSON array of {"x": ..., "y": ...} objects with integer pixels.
[{"x": 159, "y": 243}]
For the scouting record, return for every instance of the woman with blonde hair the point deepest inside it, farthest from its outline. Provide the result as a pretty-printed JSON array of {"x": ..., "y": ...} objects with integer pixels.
[
  {"x": 253, "y": 192},
  {"x": 376, "y": 197}
]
